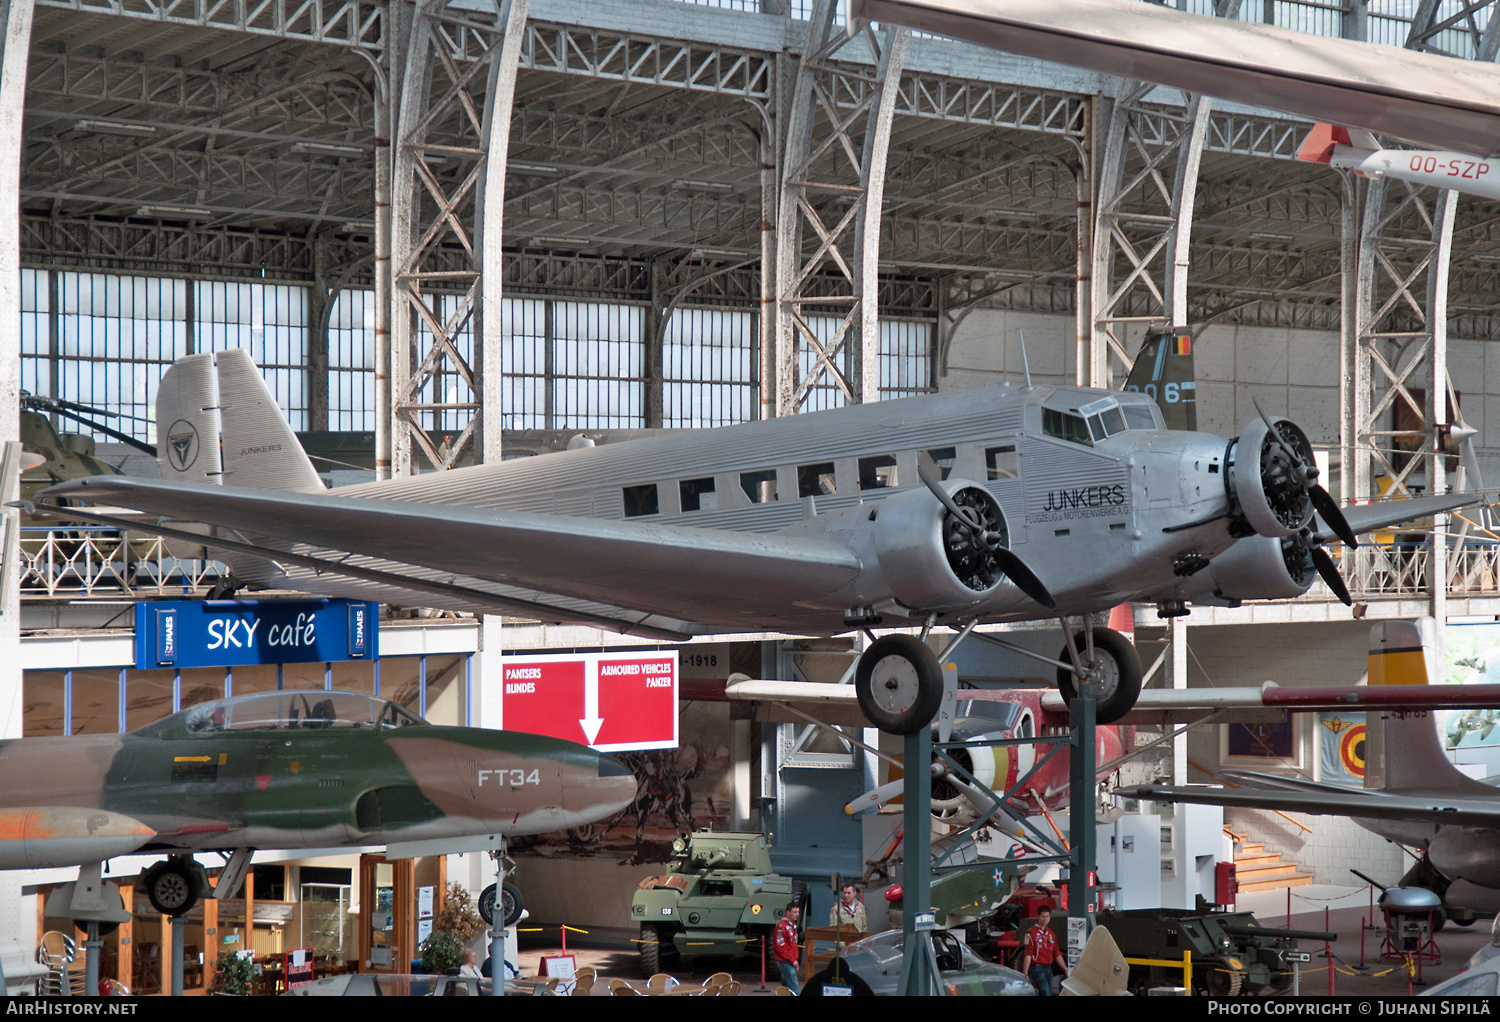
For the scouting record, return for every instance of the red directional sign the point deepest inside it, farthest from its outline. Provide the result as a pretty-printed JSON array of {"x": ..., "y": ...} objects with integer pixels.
[{"x": 612, "y": 701}]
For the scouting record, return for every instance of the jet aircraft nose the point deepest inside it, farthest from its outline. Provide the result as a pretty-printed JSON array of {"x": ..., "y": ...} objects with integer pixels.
[{"x": 616, "y": 783}]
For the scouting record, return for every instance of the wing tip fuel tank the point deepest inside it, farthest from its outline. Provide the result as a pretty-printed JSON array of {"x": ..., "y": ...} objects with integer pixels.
[{"x": 64, "y": 836}]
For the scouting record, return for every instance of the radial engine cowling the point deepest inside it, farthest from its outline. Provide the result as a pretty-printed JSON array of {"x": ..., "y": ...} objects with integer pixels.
[
  {"x": 930, "y": 561},
  {"x": 1257, "y": 568},
  {"x": 1272, "y": 494}
]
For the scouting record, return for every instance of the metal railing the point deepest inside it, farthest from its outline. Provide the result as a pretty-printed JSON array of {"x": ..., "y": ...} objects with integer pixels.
[
  {"x": 90, "y": 561},
  {"x": 1401, "y": 569}
]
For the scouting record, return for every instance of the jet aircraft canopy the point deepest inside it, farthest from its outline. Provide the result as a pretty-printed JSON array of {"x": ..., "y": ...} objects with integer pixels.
[{"x": 284, "y": 711}]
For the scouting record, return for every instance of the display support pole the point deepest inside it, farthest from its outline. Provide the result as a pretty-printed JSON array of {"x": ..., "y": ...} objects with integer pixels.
[
  {"x": 179, "y": 931},
  {"x": 93, "y": 949},
  {"x": 1083, "y": 763},
  {"x": 497, "y": 930},
  {"x": 919, "y": 976}
]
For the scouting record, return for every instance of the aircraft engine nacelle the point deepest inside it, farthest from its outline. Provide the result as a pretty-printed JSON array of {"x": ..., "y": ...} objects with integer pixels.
[
  {"x": 1262, "y": 479},
  {"x": 928, "y": 560},
  {"x": 1257, "y": 568}
]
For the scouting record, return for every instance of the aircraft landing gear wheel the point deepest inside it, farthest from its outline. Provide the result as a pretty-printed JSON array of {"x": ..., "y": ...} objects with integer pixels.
[
  {"x": 171, "y": 887},
  {"x": 899, "y": 684},
  {"x": 511, "y": 905},
  {"x": 1116, "y": 673}
]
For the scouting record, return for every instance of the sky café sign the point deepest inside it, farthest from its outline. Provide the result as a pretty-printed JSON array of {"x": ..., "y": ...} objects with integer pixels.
[{"x": 234, "y": 633}]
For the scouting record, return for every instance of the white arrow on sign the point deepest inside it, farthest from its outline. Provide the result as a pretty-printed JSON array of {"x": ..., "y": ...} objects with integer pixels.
[{"x": 591, "y": 721}]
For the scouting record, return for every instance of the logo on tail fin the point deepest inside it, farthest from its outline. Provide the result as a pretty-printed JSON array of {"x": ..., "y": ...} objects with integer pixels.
[{"x": 182, "y": 445}]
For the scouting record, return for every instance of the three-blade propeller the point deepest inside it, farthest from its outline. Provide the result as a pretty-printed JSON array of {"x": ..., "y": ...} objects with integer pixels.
[
  {"x": 991, "y": 543},
  {"x": 1327, "y": 509}
]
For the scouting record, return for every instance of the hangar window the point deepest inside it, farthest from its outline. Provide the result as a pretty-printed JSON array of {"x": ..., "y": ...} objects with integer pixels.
[
  {"x": 760, "y": 487},
  {"x": 878, "y": 472},
  {"x": 1064, "y": 426},
  {"x": 815, "y": 480},
  {"x": 698, "y": 494},
  {"x": 1001, "y": 462},
  {"x": 938, "y": 462},
  {"x": 641, "y": 500}
]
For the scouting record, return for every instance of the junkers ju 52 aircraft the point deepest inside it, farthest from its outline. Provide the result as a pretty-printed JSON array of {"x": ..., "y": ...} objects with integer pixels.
[
  {"x": 993, "y": 505},
  {"x": 287, "y": 769}
]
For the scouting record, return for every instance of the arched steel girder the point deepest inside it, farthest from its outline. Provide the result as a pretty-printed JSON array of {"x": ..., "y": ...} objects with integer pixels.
[
  {"x": 827, "y": 144},
  {"x": 1151, "y": 246},
  {"x": 1154, "y": 247},
  {"x": 429, "y": 211},
  {"x": 1399, "y": 358}
]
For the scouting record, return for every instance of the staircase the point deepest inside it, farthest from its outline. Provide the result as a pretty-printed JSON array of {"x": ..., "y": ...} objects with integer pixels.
[{"x": 1260, "y": 870}]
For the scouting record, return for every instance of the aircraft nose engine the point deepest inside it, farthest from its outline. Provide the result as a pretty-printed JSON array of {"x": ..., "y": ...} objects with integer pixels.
[
  {"x": 926, "y": 564},
  {"x": 1274, "y": 480},
  {"x": 936, "y": 560},
  {"x": 1272, "y": 477}
]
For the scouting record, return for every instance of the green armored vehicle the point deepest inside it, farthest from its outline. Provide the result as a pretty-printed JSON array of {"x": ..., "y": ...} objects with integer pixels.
[
  {"x": 719, "y": 898},
  {"x": 1232, "y": 953}
]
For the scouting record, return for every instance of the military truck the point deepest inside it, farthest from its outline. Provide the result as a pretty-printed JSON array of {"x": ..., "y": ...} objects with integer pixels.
[
  {"x": 719, "y": 897},
  {"x": 1232, "y": 953}
]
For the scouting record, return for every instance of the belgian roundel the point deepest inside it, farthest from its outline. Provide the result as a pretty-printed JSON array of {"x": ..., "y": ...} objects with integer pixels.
[{"x": 1352, "y": 750}]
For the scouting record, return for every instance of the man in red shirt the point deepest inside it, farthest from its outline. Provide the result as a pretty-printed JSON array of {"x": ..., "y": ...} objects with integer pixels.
[
  {"x": 1042, "y": 952},
  {"x": 784, "y": 947}
]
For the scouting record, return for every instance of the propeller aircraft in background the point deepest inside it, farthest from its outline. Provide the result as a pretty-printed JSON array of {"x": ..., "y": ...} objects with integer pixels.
[{"x": 946, "y": 510}]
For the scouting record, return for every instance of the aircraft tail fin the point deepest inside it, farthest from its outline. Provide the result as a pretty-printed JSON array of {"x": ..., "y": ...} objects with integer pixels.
[
  {"x": 1164, "y": 371},
  {"x": 1403, "y": 749},
  {"x": 218, "y": 423},
  {"x": 1317, "y": 147}
]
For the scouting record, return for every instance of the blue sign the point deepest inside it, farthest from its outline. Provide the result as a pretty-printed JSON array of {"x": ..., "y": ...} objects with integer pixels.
[{"x": 233, "y": 633}]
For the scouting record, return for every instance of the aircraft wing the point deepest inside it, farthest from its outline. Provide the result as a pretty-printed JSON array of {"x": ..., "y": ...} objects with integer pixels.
[
  {"x": 1385, "y": 513},
  {"x": 1370, "y": 805},
  {"x": 1441, "y": 102},
  {"x": 627, "y": 564},
  {"x": 1183, "y": 705}
]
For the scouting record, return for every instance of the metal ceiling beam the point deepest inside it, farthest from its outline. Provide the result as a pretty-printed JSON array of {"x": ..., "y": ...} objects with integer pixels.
[
  {"x": 356, "y": 23},
  {"x": 833, "y": 178}
]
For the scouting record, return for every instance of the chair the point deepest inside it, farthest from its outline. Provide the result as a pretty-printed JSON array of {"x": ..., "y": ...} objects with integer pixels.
[
  {"x": 730, "y": 989},
  {"x": 784, "y": 992},
  {"x": 717, "y": 979},
  {"x": 65, "y": 974},
  {"x": 620, "y": 988},
  {"x": 660, "y": 983},
  {"x": 583, "y": 980}
]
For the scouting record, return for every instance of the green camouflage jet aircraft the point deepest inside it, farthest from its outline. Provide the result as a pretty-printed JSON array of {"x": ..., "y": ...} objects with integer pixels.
[{"x": 288, "y": 769}]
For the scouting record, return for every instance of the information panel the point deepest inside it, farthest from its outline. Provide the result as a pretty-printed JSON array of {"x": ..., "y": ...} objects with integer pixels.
[
  {"x": 614, "y": 702},
  {"x": 233, "y": 633}
]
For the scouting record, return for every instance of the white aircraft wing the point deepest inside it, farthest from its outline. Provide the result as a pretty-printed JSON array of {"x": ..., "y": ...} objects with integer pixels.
[
  {"x": 1441, "y": 102},
  {"x": 1182, "y": 705},
  {"x": 650, "y": 567},
  {"x": 1371, "y": 805}
]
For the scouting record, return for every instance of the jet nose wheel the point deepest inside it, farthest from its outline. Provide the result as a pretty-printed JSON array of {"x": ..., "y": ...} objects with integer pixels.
[
  {"x": 899, "y": 684},
  {"x": 510, "y": 905},
  {"x": 1115, "y": 671}
]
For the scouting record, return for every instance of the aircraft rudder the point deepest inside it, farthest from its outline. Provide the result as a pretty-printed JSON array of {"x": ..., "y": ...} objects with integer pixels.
[
  {"x": 1404, "y": 750},
  {"x": 1317, "y": 147},
  {"x": 260, "y": 449}
]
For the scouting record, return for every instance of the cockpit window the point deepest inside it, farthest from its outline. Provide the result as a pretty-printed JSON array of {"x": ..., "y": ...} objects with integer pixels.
[
  {"x": 1142, "y": 416},
  {"x": 1103, "y": 419},
  {"x": 1066, "y": 426},
  {"x": 289, "y": 710}
]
